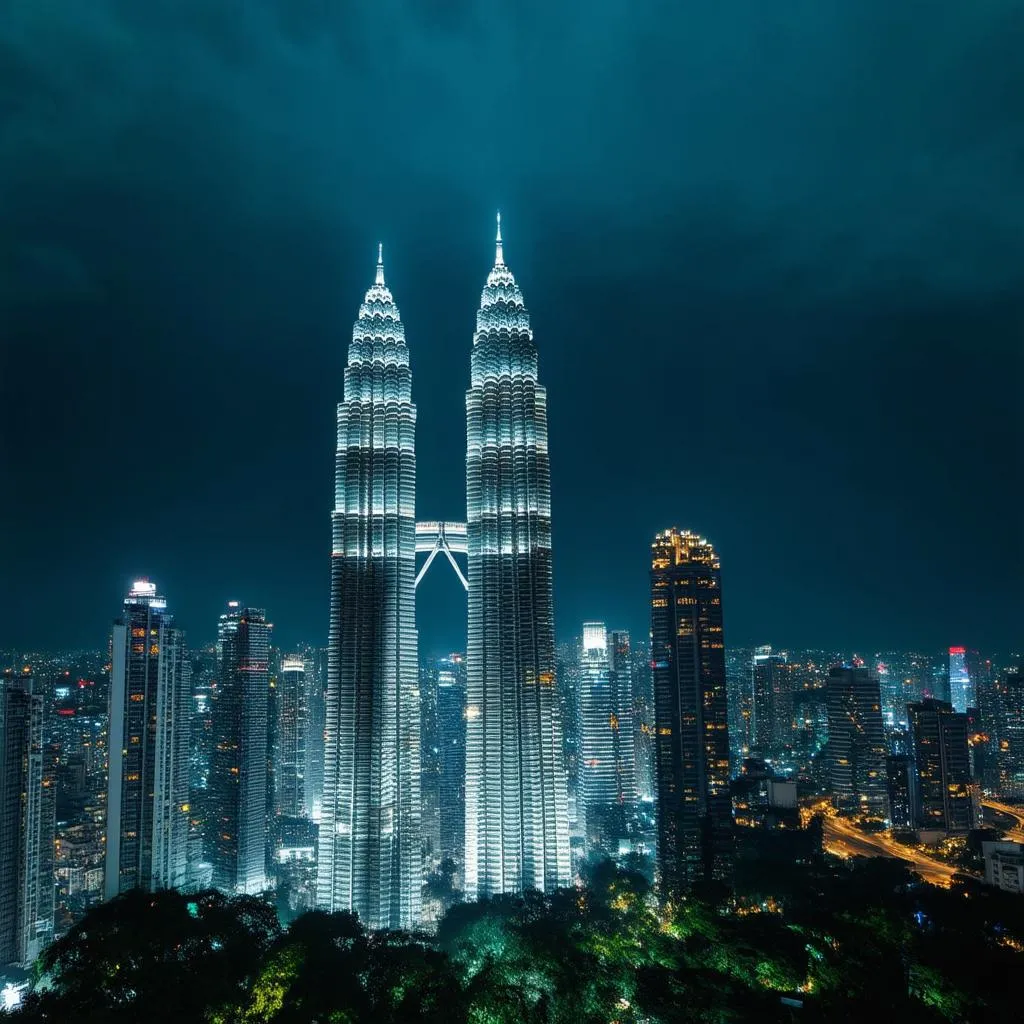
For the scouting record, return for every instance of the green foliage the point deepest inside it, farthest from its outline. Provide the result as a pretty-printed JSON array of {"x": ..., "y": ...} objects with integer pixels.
[{"x": 854, "y": 943}]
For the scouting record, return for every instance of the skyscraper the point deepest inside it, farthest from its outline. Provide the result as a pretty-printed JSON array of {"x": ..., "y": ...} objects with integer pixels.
[
  {"x": 289, "y": 754},
  {"x": 370, "y": 857},
  {"x": 451, "y": 743},
  {"x": 27, "y": 798},
  {"x": 238, "y": 773},
  {"x": 961, "y": 687},
  {"x": 517, "y": 829},
  {"x": 607, "y": 783},
  {"x": 856, "y": 741},
  {"x": 945, "y": 793},
  {"x": 772, "y": 706},
  {"x": 691, "y": 711},
  {"x": 150, "y": 712}
]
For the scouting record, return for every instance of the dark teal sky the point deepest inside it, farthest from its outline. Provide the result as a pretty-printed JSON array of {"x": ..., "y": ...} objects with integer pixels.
[{"x": 774, "y": 255}]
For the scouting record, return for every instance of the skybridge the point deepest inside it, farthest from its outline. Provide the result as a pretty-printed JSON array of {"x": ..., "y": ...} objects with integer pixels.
[{"x": 436, "y": 538}]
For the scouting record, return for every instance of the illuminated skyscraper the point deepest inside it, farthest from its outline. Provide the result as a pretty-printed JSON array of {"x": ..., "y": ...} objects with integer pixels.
[
  {"x": 690, "y": 711},
  {"x": 150, "y": 712},
  {"x": 370, "y": 856},
  {"x": 451, "y": 743},
  {"x": 772, "y": 702},
  {"x": 289, "y": 754},
  {"x": 27, "y": 798},
  {"x": 606, "y": 741},
  {"x": 238, "y": 773},
  {"x": 961, "y": 688},
  {"x": 947, "y": 797},
  {"x": 517, "y": 829},
  {"x": 856, "y": 741}
]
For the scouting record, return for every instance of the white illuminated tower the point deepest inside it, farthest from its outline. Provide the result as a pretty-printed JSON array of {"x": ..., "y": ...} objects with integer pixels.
[
  {"x": 370, "y": 858},
  {"x": 517, "y": 830}
]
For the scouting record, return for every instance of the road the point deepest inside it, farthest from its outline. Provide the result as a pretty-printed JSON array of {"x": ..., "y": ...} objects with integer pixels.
[
  {"x": 1016, "y": 833},
  {"x": 844, "y": 839}
]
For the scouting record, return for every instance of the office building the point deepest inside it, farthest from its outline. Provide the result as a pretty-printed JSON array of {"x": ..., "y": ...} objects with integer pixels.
[
  {"x": 370, "y": 850},
  {"x": 901, "y": 777},
  {"x": 27, "y": 799},
  {"x": 690, "y": 711},
  {"x": 451, "y": 745},
  {"x": 238, "y": 773},
  {"x": 772, "y": 704},
  {"x": 292, "y": 726},
  {"x": 946, "y": 795},
  {"x": 517, "y": 818},
  {"x": 148, "y": 778},
  {"x": 856, "y": 741},
  {"x": 961, "y": 686}
]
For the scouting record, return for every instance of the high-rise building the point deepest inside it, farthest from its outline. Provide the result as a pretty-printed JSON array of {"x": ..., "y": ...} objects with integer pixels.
[
  {"x": 147, "y": 789},
  {"x": 27, "y": 798},
  {"x": 517, "y": 827},
  {"x": 238, "y": 772},
  {"x": 643, "y": 720},
  {"x": 691, "y": 711},
  {"x": 620, "y": 668},
  {"x": 606, "y": 770},
  {"x": 289, "y": 753},
  {"x": 1010, "y": 755},
  {"x": 856, "y": 741},
  {"x": 902, "y": 786},
  {"x": 946, "y": 796},
  {"x": 451, "y": 745},
  {"x": 961, "y": 687},
  {"x": 772, "y": 705},
  {"x": 370, "y": 853}
]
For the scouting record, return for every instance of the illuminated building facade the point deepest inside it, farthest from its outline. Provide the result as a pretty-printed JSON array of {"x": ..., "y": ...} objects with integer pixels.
[
  {"x": 289, "y": 755},
  {"x": 856, "y": 741},
  {"x": 517, "y": 832},
  {"x": 238, "y": 773},
  {"x": 451, "y": 744},
  {"x": 150, "y": 712},
  {"x": 27, "y": 801},
  {"x": 606, "y": 762},
  {"x": 370, "y": 856},
  {"x": 772, "y": 706},
  {"x": 961, "y": 687},
  {"x": 946, "y": 795},
  {"x": 690, "y": 711}
]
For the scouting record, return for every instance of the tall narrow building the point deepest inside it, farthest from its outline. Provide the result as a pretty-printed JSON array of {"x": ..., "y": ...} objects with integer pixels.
[
  {"x": 150, "y": 714},
  {"x": 691, "y": 713},
  {"x": 238, "y": 773},
  {"x": 27, "y": 798},
  {"x": 370, "y": 856},
  {"x": 517, "y": 819},
  {"x": 289, "y": 753},
  {"x": 856, "y": 741},
  {"x": 947, "y": 797}
]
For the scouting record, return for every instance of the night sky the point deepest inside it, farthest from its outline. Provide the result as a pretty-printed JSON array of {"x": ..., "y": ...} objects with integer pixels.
[{"x": 773, "y": 253}]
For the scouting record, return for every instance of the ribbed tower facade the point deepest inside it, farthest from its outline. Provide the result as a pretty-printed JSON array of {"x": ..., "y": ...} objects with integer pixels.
[
  {"x": 517, "y": 833},
  {"x": 370, "y": 858}
]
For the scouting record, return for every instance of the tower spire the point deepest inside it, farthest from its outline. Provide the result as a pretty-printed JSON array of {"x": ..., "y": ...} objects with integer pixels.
[
  {"x": 380, "y": 263},
  {"x": 499, "y": 259}
]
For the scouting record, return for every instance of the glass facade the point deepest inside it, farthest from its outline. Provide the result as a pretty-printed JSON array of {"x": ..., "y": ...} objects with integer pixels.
[
  {"x": 148, "y": 779},
  {"x": 690, "y": 712},
  {"x": 517, "y": 831},
  {"x": 370, "y": 855}
]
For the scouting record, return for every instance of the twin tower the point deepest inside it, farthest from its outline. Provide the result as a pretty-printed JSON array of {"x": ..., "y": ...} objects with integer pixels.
[{"x": 370, "y": 855}]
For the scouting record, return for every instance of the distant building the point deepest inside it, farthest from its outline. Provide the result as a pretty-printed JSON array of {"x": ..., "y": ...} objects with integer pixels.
[
  {"x": 772, "y": 702},
  {"x": 961, "y": 688},
  {"x": 1010, "y": 754},
  {"x": 291, "y": 728},
  {"x": 643, "y": 720},
  {"x": 691, "y": 712},
  {"x": 1004, "y": 865},
  {"x": 451, "y": 743},
  {"x": 238, "y": 774},
  {"x": 902, "y": 784},
  {"x": 147, "y": 790},
  {"x": 27, "y": 798},
  {"x": 856, "y": 741},
  {"x": 946, "y": 795}
]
